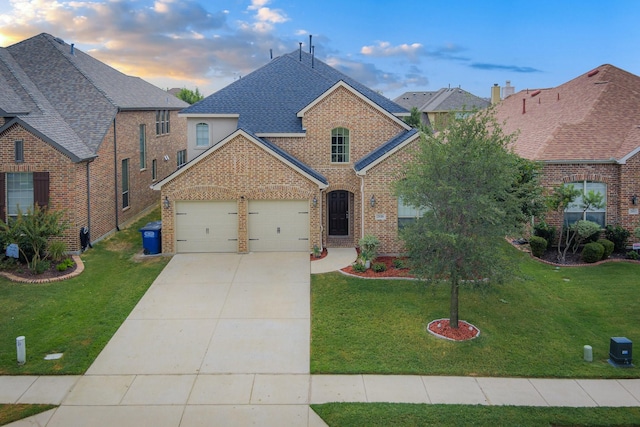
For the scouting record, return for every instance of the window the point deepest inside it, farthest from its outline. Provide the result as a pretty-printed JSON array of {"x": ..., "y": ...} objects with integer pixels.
[
  {"x": 19, "y": 192},
  {"x": 181, "y": 158},
  {"x": 340, "y": 145},
  {"x": 154, "y": 169},
  {"x": 125, "y": 183},
  {"x": 162, "y": 122},
  {"x": 407, "y": 214},
  {"x": 202, "y": 135},
  {"x": 143, "y": 147},
  {"x": 19, "y": 150},
  {"x": 573, "y": 212}
]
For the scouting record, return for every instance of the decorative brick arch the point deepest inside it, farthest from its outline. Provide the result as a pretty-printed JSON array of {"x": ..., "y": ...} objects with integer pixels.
[
  {"x": 280, "y": 192},
  {"x": 204, "y": 192},
  {"x": 577, "y": 177},
  {"x": 352, "y": 188}
]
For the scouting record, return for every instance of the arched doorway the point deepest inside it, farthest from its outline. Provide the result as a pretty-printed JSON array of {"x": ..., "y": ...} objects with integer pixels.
[{"x": 338, "y": 213}]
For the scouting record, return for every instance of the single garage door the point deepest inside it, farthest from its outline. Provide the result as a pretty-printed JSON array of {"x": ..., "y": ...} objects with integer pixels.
[
  {"x": 279, "y": 225},
  {"x": 206, "y": 226}
]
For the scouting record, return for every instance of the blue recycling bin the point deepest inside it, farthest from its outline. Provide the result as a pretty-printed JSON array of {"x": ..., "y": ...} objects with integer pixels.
[{"x": 152, "y": 238}]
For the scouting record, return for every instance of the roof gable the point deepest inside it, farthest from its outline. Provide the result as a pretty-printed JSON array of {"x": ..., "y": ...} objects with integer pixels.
[
  {"x": 272, "y": 149},
  {"x": 592, "y": 118},
  {"x": 443, "y": 100},
  {"x": 269, "y": 99},
  {"x": 385, "y": 150}
]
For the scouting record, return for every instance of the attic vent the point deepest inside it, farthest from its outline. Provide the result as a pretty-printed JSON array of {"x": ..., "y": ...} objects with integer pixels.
[
  {"x": 593, "y": 73},
  {"x": 59, "y": 40},
  {"x": 535, "y": 93},
  {"x": 600, "y": 83}
]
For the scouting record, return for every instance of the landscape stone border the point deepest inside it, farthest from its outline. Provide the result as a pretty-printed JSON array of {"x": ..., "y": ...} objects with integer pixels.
[{"x": 79, "y": 269}]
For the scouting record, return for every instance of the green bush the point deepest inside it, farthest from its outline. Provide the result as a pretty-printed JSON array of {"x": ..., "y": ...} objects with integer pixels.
[
  {"x": 379, "y": 267},
  {"x": 592, "y": 252},
  {"x": 618, "y": 235},
  {"x": 65, "y": 264},
  {"x": 360, "y": 268},
  {"x": 608, "y": 247},
  {"x": 546, "y": 231},
  {"x": 538, "y": 246},
  {"x": 398, "y": 263},
  {"x": 56, "y": 250},
  {"x": 633, "y": 255},
  {"x": 369, "y": 247},
  {"x": 40, "y": 266}
]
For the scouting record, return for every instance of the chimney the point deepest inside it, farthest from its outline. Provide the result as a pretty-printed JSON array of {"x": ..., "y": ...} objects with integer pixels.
[
  {"x": 72, "y": 52},
  {"x": 508, "y": 90},
  {"x": 495, "y": 94}
]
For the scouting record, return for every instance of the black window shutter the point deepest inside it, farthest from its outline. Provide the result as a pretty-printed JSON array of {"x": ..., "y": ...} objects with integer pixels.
[
  {"x": 3, "y": 197},
  {"x": 41, "y": 189}
]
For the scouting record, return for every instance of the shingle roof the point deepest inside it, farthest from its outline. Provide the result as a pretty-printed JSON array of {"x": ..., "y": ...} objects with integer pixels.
[
  {"x": 446, "y": 99},
  {"x": 73, "y": 98},
  {"x": 594, "y": 117},
  {"x": 385, "y": 148},
  {"x": 268, "y": 99}
]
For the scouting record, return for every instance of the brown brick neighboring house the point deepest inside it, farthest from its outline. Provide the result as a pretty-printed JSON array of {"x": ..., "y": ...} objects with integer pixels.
[
  {"x": 293, "y": 156},
  {"x": 69, "y": 124},
  {"x": 587, "y": 132}
]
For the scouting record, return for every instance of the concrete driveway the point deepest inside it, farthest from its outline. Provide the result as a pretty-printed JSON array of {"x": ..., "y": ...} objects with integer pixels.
[{"x": 218, "y": 339}]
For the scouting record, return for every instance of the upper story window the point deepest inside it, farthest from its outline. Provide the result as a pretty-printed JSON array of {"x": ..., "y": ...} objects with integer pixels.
[
  {"x": 181, "y": 158},
  {"x": 202, "y": 135},
  {"x": 574, "y": 212},
  {"x": 340, "y": 145},
  {"x": 19, "y": 150},
  {"x": 143, "y": 147},
  {"x": 162, "y": 122}
]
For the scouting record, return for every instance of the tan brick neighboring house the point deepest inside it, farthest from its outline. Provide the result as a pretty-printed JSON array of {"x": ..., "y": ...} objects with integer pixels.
[
  {"x": 586, "y": 132},
  {"x": 70, "y": 125},
  {"x": 293, "y": 156}
]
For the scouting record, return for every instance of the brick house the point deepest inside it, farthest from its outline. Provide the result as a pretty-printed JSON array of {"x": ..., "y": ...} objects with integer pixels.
[
  {"x": 78, "y": 135},
  {"x": 586, "y": 132},
  {"x": 293, "y": 156}
]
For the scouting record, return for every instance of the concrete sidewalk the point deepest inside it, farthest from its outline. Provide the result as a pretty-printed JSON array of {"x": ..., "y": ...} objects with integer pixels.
[{"x": 223, "y": 339}]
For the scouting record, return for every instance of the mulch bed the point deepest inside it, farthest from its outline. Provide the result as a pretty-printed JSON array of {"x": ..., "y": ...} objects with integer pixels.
[
  {"x": 322, "y": 255},
  {"x": 391, "y": 271},
  {"x": 442, "y": 329},
  {"x": 52, "y": 274}
]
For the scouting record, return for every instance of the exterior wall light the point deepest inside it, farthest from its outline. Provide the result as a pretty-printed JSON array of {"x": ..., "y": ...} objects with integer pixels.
[
  {"x": 166, "y": 203},
  {"x": 634, "y": 200},
  {"x": 315, "y": 201},
  {"x": 372, "y": 201}
]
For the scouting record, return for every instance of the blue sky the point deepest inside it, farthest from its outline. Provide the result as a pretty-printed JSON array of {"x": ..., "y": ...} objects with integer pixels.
[{"x": 391, "y": 46}]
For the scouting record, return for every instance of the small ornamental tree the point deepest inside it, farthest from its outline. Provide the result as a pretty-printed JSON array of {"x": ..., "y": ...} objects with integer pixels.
[
  {"x": 465, "y": 180},
  {"x": 32, "y": 230},
  {"x": 190, "y": 96}
]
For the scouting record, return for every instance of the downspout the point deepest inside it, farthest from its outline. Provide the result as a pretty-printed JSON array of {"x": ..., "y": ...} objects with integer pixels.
[
  {"x": 115, "y": 171},
  {"x": 321, "y": 221},
  {"x": 361, "y": 206},
  {"x": 88, "y": 199}
]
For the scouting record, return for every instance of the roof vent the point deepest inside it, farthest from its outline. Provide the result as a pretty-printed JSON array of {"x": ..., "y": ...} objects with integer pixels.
[
  {"x": 59, "y": 40},
  {"x": 536, "y": 93},
  {"x": 593, "y": 73}
]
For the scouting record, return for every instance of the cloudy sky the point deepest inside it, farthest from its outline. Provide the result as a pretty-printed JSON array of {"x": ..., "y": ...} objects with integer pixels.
[{"x": 391, "y": 46}]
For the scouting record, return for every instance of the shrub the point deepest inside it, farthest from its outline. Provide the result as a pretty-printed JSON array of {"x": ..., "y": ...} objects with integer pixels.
[
  {"x": 546, "y": 231},
  {"x": 360, "y": 268},
  {"x": 65, "y": 264},
  {"x": 369, "y": 247},
  {"x": 585, "y": 231},
  {"x": 398, "y": 263},
  {"x": 538, "y": 246},
  {"x": 40, "y": 266},
  {"x": 608, "y": 247},
  {"x": 592, "y": 252},
  {"x": 57, "y": 250},
  {"x": 618, "y": 235},
  {"x": 633, "y": 255},
  {"x": 379, "y": 267}
]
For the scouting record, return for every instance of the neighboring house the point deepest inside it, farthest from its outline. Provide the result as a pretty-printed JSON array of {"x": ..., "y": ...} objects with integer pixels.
[
  {"x": 78, "y": 135},
  {"x": 585, "y": 132},
  {"x": 293, "y": 156},
  {"x": 436, "y": 106}
]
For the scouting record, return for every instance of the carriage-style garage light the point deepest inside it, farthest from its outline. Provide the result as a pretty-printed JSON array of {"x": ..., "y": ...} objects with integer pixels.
[
  {"x": 315, "y": 201},
  {"x": 634, "y": 200},
  {"x": 372, "y": 201},
  {"x": 166, "y": 203}
]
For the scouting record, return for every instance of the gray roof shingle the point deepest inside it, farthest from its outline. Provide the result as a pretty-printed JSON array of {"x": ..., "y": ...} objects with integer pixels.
[
  {"x": 382, "y": 150},
  {"x": 446, "y": 99},
  {"x": 268, "y": 99},
  {"x": 72, "y": 98}
]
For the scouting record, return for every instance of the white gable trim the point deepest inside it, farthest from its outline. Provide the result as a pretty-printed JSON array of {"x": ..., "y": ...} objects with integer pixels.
[
  {"x": 623, "y": 160},
  {"x": 214, "y": 115},
  {"x": 388, "y": 154},
  {"x": 342, "y": 84},
  {"x": 205, "y": 154}
]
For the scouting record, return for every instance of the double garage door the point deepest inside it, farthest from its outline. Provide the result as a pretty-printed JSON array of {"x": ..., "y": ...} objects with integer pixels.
[{"x": 273, "y": 225}]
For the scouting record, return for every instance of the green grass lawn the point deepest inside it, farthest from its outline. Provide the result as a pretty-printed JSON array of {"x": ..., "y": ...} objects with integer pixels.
[
  {"x": 78, "y": 316},
  {"x": 535, "y": 325},
  {"x": 408, "y": 415}
]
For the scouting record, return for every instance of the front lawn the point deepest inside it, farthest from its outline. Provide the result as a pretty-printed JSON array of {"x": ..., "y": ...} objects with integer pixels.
[
  {"x": 76, "y": 317},
  {"x": 536, "y": 325}
]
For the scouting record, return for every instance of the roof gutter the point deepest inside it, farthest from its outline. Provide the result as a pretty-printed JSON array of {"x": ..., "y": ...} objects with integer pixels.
[
  {"x": 115, "y": 172},
  {"x": 581, "y": 162}
]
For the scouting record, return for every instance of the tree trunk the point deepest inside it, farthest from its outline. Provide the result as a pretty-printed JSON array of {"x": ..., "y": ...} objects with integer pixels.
[{"x": 453, "y": 309}]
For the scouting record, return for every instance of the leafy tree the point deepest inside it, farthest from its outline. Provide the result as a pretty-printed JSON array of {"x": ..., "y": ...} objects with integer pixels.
[
  {"x": 465, "y": 179},
  {"x": 32, "y": 231},
  {"x": 190, "y": 96},
  {"x": 414, "y": 119}
]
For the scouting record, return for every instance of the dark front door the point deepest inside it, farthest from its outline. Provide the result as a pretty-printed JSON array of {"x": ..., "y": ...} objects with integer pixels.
[{"x": 339, "y": 213}]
